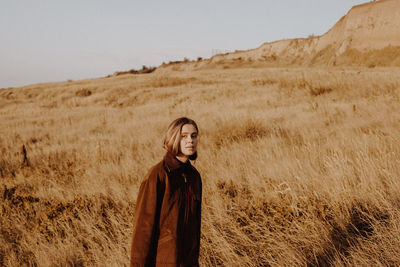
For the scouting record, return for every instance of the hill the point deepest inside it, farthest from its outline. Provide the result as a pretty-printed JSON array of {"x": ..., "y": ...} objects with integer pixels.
[
  {"x": 300, "y": 166},
  {"x": 368, "y": 35}
]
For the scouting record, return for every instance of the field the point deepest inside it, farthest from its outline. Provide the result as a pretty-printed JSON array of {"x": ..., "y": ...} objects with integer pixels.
[{"x": 300, "y": 166}]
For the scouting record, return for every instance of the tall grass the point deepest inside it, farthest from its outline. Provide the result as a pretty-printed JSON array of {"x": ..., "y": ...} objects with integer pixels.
[{"x": 300, "y": 166}]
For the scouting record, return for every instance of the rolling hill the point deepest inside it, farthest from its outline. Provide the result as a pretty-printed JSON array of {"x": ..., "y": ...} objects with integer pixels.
[{"x": 368, "y": 35}]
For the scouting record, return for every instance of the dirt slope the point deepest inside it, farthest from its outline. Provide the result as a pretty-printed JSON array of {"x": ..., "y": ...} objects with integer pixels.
[{"x": 369, "y": 34}]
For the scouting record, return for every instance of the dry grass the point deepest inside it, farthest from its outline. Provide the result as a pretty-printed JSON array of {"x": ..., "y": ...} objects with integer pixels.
[{"x": 300, "y": 166}]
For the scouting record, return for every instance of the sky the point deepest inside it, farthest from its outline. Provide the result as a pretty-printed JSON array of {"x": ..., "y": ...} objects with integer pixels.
[{"x": 55, "y": 40}]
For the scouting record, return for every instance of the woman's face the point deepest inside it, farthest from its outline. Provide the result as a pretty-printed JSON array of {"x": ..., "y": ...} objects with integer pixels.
[{"x": 188, "y": 143}]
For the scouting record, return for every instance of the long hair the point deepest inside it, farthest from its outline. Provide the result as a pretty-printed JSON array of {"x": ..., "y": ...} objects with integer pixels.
[{"x": 172, "y": 137}]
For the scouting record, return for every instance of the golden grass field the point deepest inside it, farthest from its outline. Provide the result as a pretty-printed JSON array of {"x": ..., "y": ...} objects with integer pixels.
[{"x": 300, "y": 166}]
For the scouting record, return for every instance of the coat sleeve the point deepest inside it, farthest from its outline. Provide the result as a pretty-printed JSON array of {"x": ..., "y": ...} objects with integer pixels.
[
  {"x": 199, "y": 218},
  {"x": 146, "y": 217}
]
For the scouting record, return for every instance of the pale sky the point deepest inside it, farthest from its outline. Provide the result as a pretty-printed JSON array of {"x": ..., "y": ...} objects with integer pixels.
[{"x": 54, "y": 40}]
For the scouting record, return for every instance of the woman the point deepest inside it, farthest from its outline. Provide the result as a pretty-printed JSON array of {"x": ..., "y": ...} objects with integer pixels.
[{"x": 166, "y": 229}]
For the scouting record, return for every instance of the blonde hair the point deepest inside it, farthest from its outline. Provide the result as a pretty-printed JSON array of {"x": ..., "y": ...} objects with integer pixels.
[{"x": 172, "y": 137}]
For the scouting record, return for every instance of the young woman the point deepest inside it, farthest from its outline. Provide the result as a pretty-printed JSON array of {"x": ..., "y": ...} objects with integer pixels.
[{"x": 167, "y": 218}]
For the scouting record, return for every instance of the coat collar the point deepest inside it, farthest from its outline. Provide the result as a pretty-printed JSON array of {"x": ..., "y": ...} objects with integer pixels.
[{"x": 172, "y": 163}]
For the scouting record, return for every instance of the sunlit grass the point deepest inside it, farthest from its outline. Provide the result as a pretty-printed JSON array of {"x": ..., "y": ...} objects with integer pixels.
[{"x": 299, "y": 165}]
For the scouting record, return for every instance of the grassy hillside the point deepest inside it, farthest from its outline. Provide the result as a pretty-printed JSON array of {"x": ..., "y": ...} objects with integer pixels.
[{"x": 300, "y": 166}]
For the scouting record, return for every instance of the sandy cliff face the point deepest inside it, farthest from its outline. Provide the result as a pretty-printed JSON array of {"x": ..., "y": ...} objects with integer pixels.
[
  {"x": 373, "y": 25},
  {"x": 367, "y": 31}
]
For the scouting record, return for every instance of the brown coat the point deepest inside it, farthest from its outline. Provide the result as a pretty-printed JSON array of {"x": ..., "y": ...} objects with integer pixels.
[{"x": 167, "y": 218}]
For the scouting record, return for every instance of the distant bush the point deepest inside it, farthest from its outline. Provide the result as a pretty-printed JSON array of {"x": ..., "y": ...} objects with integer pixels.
[
  {"x": 316, "y": 91},
  {"x": 83, "y": 92},
  {"x": 262, "y": 82},
  {"x": 143, "y": 70}
]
